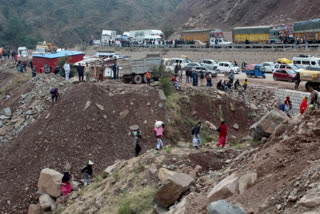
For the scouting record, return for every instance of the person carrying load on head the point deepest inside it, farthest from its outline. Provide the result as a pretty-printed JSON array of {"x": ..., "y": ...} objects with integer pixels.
[{"x": 158, "y": 132}]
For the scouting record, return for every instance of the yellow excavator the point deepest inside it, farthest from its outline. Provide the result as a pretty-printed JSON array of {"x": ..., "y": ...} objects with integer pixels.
[
  {"x": 312, "y": 77},
  {"x": 47, "y": 46}
]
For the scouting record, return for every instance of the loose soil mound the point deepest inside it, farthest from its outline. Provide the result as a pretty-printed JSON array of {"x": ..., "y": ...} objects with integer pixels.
[{"x": 80, "y": 127}]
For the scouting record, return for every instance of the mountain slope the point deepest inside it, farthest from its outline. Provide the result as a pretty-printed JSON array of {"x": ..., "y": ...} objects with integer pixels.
[
  {"x": 69, "y": 22},
  {"x": 228, "y": 14}
]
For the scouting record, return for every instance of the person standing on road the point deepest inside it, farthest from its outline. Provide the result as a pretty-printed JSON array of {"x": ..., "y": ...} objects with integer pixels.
[
  {"x": 196, "y": 135},
  {"x": 304, "y": 105},
  {"x": 148, "y": 77},
  {"x": 237, "y": 84},
  {"x": 180, "y": 74},
  {"x": 66, "y": 68},
  {"x": 245, "y": 84},
  {"x": 188, "y": 75},
  {"x": 87, "y": 72},
  {"x": 209, "y": 80},
  {"x": 231, "y": 78},
  {"x": 297, "y": 81},
  {"x": 222, "y": 134},
  {"x": 80, "y": 73},
  {"x": 137, "y": 136},
  {"x": 87, "y": 172},
  {"x": 101, "y": 71},
  {"x": 114, "y": 69},
  {"x": 194, "y": 79}
]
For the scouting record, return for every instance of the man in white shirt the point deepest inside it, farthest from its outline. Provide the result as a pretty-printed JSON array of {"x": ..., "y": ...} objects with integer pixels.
[{"x": 67, "y": 70}]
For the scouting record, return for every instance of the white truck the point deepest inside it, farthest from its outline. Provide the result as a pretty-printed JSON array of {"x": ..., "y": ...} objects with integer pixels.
[
  {"x": 23, "y": 52},
  {"x": 108, "y": 35},
  {"x": 219, "y": 42}
]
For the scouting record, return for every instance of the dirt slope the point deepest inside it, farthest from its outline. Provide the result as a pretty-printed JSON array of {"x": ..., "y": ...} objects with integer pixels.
[
  {"x": 231, "y": 13},
  {"x": 69, "y": 134},
  {"x": 291, "y": 153}
]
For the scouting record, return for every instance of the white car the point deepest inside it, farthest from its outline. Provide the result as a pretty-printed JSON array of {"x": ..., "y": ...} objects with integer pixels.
[
  {"x": 304, "y": 61},
  {"x": 268, "y": 67},
  {"x": 226, "y": 67},
  {"x": 209, "y": 63},
  {"x": 220, "y": 42},
  {"x": 278, "y": 66}
]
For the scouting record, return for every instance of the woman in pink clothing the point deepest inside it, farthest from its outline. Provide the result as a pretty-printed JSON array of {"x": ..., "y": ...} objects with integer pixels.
[{"x": 158, "y": 132}]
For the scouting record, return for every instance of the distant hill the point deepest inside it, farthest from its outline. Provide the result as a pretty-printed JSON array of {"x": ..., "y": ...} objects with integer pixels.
[
  {"x": 224, "y": 14},
  {"x": 66, "y": 23},
  {"x": 69, "y": 22}
]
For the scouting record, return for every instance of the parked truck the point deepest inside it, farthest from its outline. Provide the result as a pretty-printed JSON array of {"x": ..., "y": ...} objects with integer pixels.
[
  {"x": 312, "y": 77},
  {"x": 136, "y": 73},
  {"x": 201, "y": 35}
]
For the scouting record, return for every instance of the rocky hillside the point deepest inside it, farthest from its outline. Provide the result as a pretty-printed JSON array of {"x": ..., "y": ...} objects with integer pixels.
[{"x": 227, "y": 14}]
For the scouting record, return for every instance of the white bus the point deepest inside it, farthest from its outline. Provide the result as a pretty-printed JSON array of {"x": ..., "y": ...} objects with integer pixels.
[{"x": 141, "y": 35}]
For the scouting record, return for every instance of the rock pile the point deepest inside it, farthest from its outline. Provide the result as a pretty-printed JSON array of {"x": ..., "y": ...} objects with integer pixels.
[{"x": 30, "y": 105}]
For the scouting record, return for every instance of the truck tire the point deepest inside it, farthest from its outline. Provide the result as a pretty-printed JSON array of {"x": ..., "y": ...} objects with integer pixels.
[{"x": 137, "y": 79}]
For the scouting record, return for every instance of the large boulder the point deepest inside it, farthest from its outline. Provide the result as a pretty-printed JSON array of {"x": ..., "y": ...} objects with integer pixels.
[
  {"x": 34, "y": 209},
  {"x": 224, "y": 189},
  {"x": 247, "y": 181},
  {"x": 223, "y": 207},
  {"x": 312, "y": 198},
  {"x": 164, "y": 175},
  {"x": 46, "y": 202},
  {"x": 267, "y": 124},
  {"x": 50, "y": 182},
  {"x": 173, "y": 189}
]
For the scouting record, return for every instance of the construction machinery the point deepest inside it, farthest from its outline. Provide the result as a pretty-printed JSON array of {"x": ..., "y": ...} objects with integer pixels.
[
  {"x": 48, "y": 47},
  {"x": 312, "y": 77}
]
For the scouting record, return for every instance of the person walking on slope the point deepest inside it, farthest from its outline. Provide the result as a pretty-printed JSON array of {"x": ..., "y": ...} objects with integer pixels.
[
  {"x": 66, "y": 187},
  {"x": 66, "y": 68},
  {"x": 304, "y": 105},
  {"x": 54, "y": 95},
  {"x": 87, "y": 172},
  {"x": 222, "y": 134},
  {"x": 148, "y": 77},
  {"x": 196, "y": 135},
  {"x": 137, "y": 136},
  {"x": 158, "y": 132}
]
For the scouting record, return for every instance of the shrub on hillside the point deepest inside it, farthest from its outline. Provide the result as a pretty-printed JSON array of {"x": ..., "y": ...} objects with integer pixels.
[{"x": 167, "y": 86}]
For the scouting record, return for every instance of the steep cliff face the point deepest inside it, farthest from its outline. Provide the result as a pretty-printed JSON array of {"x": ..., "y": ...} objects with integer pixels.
[{"x": 230, "y": 13}]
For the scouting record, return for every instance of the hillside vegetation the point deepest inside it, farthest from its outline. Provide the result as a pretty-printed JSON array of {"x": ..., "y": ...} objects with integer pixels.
[{"x": 66, "y": 23}]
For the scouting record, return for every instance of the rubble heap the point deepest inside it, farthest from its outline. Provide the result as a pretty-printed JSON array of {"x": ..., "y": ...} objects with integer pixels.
[{"x": 30, "y": 105}]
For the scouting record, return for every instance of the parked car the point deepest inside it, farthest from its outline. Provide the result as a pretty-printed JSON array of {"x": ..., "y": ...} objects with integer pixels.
[
  {"x": 191, "y": 65},
  {"x": 205, "y": 70},
  {"x": 303, "y": 61},
  {"x": 219, "y": 42},
  {"x": 278, "y": 66},
  {"x": 226, "y": 67},
  {"x": 209, "y": 63},
  {"x": 284, "y": 74},
  {"x": 268, "y": 67}
]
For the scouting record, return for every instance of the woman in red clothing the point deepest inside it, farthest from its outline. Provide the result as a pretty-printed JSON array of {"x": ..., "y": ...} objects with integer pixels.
[
  {"x": 304, "y": 105},
  {"x": 222, "y": 134}
]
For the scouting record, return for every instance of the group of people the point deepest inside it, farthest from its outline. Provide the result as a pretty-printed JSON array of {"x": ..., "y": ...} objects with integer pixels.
[
  {"x": 66, "y": 185},
  {"x": 222, "y": 130},
  {"x": 7, "y": 54}
]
